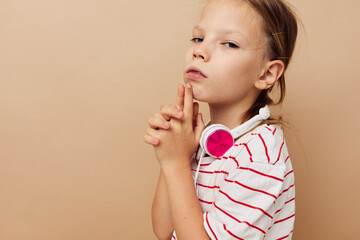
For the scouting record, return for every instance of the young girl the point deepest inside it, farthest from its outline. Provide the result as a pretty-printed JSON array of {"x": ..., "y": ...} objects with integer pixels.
[{"x": 239, "y": 51}]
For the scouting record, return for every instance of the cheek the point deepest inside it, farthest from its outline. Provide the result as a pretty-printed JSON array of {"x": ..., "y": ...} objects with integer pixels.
[
  {"x": 235, "y": 80},
  {"x": 243, "y": 73}
]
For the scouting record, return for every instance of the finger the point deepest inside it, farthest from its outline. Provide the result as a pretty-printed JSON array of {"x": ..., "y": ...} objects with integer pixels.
[
  {"x": 188, "y": 103},
  {"x": 155, "y": 122},
  {"x": 153, "y": 133},
  {"x": 151, "y": 140},
  {"x": 160, "y": 116},
  {"x": 195, "y": 112},
  {"x": 199, "y": 127},
  {"x": 164, "y": 116},
  {"x": 180, "y": 97},
  {"x": 169, "y": 111}
]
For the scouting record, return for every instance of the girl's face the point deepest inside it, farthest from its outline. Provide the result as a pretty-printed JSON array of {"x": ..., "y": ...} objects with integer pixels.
[{"x": 228, "y": 49}]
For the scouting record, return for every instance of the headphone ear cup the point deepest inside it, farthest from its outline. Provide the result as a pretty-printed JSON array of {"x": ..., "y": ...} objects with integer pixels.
[{"x": 216, "y": 140}]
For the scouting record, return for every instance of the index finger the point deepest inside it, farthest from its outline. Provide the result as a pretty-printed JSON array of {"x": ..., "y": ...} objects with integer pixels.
[
  {"x": 180, "y": 97},
  {"x": 188, "y": 102}
]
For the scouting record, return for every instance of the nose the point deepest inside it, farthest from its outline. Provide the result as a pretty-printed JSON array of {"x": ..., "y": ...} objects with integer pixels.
[{"x": 202, "y": 52}]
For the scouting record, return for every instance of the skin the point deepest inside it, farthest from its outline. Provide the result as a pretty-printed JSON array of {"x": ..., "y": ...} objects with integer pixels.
[
  {"x": 234, "y": 62},
  {"x": 175, "y": 204},
  {"x": 236, "y": 69}
]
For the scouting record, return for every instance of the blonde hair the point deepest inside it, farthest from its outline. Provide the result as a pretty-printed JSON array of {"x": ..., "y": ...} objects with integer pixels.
[{"x": 279, "y": 24}]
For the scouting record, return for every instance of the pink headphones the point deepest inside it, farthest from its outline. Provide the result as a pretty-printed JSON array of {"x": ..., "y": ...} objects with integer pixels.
[{"x": 217, "y": 139}]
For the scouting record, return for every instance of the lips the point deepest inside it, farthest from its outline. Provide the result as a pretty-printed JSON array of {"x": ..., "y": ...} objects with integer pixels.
[{"x": 195, "y": 73}]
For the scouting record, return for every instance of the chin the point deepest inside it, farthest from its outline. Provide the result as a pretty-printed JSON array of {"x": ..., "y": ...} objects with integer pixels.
[
  {"x": 198, "y": 96},
  {"x": 197, "y": 92}
]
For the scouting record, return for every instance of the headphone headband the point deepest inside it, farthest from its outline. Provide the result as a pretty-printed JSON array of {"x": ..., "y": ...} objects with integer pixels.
[{"x": 264, "y": 113}]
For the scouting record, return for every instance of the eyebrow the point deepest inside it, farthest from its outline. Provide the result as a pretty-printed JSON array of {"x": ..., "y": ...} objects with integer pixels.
[{"x": 225, "y": 31}]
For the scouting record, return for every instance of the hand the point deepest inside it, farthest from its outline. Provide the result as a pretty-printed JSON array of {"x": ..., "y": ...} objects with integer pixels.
[
  {"x": 180, "y": 141},
  {"x": 161, "y": 120}
]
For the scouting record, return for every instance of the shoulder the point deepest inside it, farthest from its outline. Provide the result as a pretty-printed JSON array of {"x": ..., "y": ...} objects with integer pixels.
[{"x": 263, "y": 144}]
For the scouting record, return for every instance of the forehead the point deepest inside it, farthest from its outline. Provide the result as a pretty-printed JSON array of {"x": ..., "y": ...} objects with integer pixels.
[{"x": 232, "y": 16}]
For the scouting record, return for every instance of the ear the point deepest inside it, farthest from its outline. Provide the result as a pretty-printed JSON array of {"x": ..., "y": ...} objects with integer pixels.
[{"x": 270, "y": 74}]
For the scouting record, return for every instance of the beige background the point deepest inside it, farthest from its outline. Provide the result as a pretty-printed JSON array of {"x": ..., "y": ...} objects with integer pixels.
[{"x": 79, "y": 79}]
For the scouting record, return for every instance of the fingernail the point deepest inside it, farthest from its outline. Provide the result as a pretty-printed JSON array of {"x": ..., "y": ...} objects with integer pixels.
[
  {"x": 166, "y": 124},
  {"x": 188, "y": 86},
  {"x": 154, "y": 140},
  {"x": 179, "y": 113}
]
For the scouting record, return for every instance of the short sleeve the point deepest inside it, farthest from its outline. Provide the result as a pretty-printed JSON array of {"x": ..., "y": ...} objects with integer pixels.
[{"x": 244, "y": 205}]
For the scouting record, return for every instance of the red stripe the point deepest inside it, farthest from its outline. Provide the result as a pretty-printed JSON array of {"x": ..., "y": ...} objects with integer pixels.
[
  {"x": 247, "y": 148},
  {"x": 288, "y": 173},
  {"x": 239, "y": 221},
  {"x": 205, "y": 201},
  {"x": 206, "y": 186},
  {"x": 207, "y": 221},
  {"x": 286, "y": 190},
  {"x": 279, "y": 152},
  {"x": 284, "y": 205},
  {"x": 290, "y": 200},
  {"x": 284, "y": 219},
  {"x": 266, "y": 150},
  {"x": 268, "y": 129},
  {"x": 205, "y": 164},
  {"x": 253, "y": 189},
  {"x": 237, "y": 163},
  {"x": 173, "y": 237},
  {"x": 223, "y": 157},
  {"x": 287, "y": 158},
  {"x": 208, "y": 172},
  {"x": 274, "y": 131},
  {"x": 263, "y": 174},
  {"x": 276, "y": 211},
  {"x": 244, "y": 204},
  {"x": 284, "y": 236},
  {"x": 241, "y": 168},
  {"x": 232, "y": 233}
]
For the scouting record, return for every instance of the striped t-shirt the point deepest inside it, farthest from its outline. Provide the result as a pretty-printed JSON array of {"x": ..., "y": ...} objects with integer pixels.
[{"x": 248, "y": 193}]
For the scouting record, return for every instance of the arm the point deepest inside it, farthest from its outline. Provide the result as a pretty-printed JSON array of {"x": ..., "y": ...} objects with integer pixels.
[
  {"x": 177, "y": 144},
  {"x": 185, "y": 208},
  {"x": 160, "y": 214}
]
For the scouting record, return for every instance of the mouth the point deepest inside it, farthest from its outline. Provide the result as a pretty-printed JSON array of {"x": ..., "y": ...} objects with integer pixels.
[{"x": 195, "y": 73}]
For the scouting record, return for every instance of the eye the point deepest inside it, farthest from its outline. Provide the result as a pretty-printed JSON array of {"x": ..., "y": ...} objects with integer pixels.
[
  {"x": 231, "y": 45},
  {"x": 196, "y": 40}
]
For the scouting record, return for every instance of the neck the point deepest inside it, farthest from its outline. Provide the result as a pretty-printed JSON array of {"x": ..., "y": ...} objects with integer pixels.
[{"x": 229, "y": 115}]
